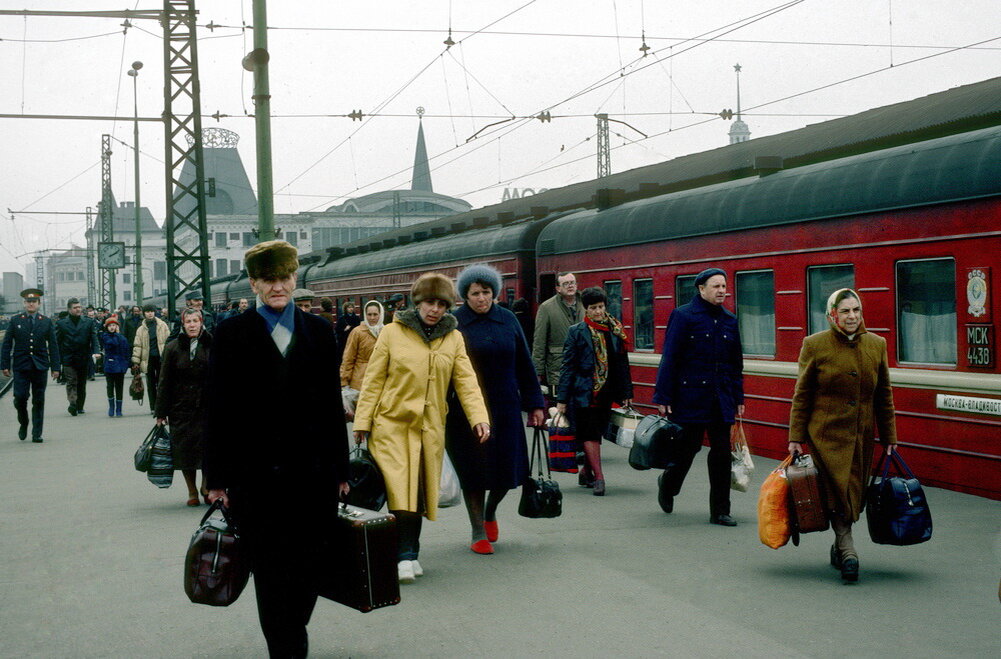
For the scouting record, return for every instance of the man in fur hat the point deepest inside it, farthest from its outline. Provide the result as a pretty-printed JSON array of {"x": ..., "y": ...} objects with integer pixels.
[{"x": 270, "y": 453}]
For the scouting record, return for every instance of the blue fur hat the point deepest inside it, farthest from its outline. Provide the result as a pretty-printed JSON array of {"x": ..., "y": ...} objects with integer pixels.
[{"x": 478, "y": 273}]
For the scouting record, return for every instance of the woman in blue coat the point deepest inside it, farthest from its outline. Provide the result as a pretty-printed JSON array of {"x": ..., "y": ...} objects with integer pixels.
[
  {"x": 499, "y": 352},
  {"x": 595, "y": 373},
  {"x": 117, "y": 355}
]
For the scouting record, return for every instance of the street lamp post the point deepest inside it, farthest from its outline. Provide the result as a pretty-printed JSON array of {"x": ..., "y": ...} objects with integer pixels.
[{"x": 134, "y": 73}]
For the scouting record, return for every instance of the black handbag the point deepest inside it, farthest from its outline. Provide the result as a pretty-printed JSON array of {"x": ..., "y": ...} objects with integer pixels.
[
  {"x": 653, "y": 443},
  {"x": 161, "y": 462},
  {"x": 540, "y": 495},
  {"x": 896, "y": 509},
  {"x": 368, "y": 489},
  {"x": 144, "y": 454},
  {"x": 216, "y": 569}
]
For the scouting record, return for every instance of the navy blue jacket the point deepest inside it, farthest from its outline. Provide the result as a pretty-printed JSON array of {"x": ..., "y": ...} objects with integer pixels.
[
  {"x": 24, "y": 349},
  {"x": 77, "y": 341},
  {"x": 117, "y": 353},
  {"x": 701, "y": 367},
  {"x": 577, "y": 373}
]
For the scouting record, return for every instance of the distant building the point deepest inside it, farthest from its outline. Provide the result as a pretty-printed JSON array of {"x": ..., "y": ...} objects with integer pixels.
[
  {"x": 65, "y": 277},
  {"x": 13, "y": 284},
  {"x": 739, "y": 132}
]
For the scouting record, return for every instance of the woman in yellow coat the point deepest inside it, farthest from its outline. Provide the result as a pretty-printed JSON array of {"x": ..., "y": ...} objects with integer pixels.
[
  {"x": 843, "y": 397},
  {"x": 401, "y": 409}
]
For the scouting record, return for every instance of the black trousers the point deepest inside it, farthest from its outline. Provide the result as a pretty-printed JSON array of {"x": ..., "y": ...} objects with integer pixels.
[
  {"x": 30, "y": 383},
  {"x": 689, "y": 444},
  {"x": 115, "y": 383},
  {"x": 152, "y": 379},
  {"x": 285, "y": 604}
]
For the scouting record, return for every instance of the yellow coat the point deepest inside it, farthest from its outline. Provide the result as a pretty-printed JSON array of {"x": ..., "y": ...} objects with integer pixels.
[{"x": 402, "y": 405}]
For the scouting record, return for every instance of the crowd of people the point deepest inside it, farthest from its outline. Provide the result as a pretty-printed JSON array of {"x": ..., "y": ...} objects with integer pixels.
[{"x": 433, "y": 378}]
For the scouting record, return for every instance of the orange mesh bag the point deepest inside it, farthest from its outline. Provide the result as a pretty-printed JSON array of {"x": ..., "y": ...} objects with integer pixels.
[{"x": 773, "y": 507}]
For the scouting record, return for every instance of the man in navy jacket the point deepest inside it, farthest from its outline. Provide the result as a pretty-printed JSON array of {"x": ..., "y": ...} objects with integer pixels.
[
  {"x": 29, "y": 349},
  {"x": 700, "y": 386}
]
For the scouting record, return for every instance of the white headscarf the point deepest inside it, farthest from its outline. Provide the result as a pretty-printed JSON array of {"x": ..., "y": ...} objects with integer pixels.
[{"x": 374, "y": 329}]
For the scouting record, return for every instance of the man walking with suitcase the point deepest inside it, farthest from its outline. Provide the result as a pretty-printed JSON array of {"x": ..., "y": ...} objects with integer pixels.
[{"x": 270, "y": 453}]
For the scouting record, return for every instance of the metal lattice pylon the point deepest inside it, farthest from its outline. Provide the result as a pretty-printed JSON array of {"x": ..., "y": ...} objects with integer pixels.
[
  {"x": 91, "y": 251},
  {"x": 106, "y": 213},
  {"x": 187, "y": 266},
  {"x": 604, "y": 152}
]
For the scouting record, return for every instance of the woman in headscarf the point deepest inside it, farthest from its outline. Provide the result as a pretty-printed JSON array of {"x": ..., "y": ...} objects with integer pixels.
[
  {"x": 595, "y": 373},
  {"x": 358, "y": 350},
  {"x": 843, "y": 402},
  {"x": 401, "y": 409},
  {"x": 499, "y": 352}
]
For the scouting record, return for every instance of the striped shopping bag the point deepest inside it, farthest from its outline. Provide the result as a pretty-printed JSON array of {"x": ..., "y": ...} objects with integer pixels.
[{"x": 562, "y": 445}]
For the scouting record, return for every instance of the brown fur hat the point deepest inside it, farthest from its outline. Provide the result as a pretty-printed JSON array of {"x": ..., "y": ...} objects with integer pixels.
[
  {"x": 271, "y": 260},
  {"x": 433, "y": 286}
]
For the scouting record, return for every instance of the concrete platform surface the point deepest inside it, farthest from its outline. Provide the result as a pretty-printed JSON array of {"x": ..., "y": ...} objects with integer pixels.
[{"x": 92, "y": 557}]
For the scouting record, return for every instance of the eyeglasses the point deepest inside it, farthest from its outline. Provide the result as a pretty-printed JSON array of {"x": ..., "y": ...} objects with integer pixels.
[{"x": 568, "y": 283}]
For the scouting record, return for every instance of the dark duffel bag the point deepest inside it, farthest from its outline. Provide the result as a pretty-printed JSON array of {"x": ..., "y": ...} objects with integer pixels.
[
  {"x": 368, "y": 489},
  {"x": 653, "y": 443},
  {"x": 896, "y": 508},
  {"x": 361, "y": 572},
  {"x": 144, "y": 454},
  {"x": 215, "y": 567},
  {"x": 540, "y": 495}
]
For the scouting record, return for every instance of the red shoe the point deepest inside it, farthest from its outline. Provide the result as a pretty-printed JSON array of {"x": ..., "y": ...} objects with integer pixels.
[
  {"x": 482, "y": 547},
  {"x": 193, "y": 501},
  {"x": 492, "y": 531}
]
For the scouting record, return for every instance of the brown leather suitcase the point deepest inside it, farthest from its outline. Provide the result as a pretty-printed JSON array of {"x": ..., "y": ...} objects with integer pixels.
[
  {"x": 215, "y": 568},
  {"x": 363, "y": 560},
  {"x": 805, "y": 496}
]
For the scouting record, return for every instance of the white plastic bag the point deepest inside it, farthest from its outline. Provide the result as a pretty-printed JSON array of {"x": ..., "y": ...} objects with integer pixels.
[
  {"x": 741, "y": 466},
  {"x": 349, "y": 397},
  {"x": 449, "y": 490}
]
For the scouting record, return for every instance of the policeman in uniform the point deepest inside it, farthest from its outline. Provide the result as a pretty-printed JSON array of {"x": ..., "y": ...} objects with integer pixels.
[{"x": 29, "y": 349}]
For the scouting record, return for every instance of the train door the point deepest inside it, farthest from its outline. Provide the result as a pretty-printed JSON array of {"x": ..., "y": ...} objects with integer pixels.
[{"x": 547, "y": 286}]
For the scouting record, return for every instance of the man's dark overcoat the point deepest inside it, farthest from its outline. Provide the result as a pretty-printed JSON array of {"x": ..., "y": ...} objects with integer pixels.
[
  {"x": 701, "y": 367},
  {"x": 181, "y": 399},
  {"x": 77, "y": 341},
  {"x": 498, "y": 349}
]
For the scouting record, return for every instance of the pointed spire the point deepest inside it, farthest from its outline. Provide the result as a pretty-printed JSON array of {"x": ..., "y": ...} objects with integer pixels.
[{"x": 421, "y": 179}]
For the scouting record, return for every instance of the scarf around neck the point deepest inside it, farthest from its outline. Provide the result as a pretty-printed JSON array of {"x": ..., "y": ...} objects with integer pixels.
[
  {"x": 281, "y": 324},
  {"x": 599, "y": 331}
]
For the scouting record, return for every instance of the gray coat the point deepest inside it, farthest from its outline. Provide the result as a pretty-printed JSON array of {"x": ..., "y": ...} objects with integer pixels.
[{"x": 552, "y": 323}]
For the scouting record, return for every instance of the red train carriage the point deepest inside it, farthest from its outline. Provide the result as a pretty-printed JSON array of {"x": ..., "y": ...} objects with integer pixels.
[
  {"x": 378, "y": 274},
  {"x": 915, "y": 229}
]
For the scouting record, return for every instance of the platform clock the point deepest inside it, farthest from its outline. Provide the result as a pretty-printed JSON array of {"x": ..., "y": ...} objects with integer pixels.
[{"x": 110, "y": 255}]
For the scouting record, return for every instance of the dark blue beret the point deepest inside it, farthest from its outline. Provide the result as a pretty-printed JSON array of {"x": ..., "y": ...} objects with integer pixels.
[{"x": 704, "y": 276}]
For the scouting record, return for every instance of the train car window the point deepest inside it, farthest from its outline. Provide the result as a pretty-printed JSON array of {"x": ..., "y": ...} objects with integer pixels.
[
  {"x": 613, "y": 289},
  {"x": 684, "y": 289},
  {"x": 755, "y": 299},
  {"x": 822, "y": 280},
  {"x": 926, "y": 311},
  {"x": 643, "y": 314}
]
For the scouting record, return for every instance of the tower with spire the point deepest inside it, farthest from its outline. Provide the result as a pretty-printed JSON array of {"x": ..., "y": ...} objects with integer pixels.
[
  {"x": 739, "y": 132},
  {"x": 421, "y": 179}
]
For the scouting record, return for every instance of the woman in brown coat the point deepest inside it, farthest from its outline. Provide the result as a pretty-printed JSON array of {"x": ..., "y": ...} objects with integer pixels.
[
  {"x": 358, "y": 350},
  {"x": 843, "y": 402},
  {"x": 181, "y": 399}
]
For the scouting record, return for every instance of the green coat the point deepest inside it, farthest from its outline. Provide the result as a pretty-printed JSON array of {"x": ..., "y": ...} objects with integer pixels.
[
  {"x": 552, "y": 322},
  {"x": 843, "y": 396}
]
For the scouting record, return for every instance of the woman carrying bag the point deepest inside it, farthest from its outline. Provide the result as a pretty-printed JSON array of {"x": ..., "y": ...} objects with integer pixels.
[
  {"x": 181, "y": 401},
  {"x": 499, "y": 353},
  {"x": 595, "y": 373},
  {"x": 401, "y": 408},
  {"x": 358, "y": 350},
  {"x": 843, "y": 397}
]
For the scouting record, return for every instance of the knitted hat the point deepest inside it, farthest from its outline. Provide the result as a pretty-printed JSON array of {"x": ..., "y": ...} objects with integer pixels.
[
  {"x": 271, "y": 260},
  {"x": 110, "y": 320},
  {"x": 478, "y": 273},
  {"x": 433, "y": 286}
]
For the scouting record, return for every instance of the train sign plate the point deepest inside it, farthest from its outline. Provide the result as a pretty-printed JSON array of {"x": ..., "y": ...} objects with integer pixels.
[
  {"x": 980, "y": 346},
  {"x": 990, "y": 406}
]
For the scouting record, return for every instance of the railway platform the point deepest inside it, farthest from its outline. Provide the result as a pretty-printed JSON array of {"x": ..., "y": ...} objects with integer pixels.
[{"x": 92, "y": 556}]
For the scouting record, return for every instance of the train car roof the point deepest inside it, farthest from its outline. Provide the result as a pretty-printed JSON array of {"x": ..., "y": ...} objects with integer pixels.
[
  {"x": 953, "y": 168},
  {"x": 957, "y": 110},
  {"x": 470, "y": 246}
]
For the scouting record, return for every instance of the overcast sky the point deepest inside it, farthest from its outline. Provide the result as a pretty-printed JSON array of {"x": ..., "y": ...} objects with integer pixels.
[{"x": 569, "y": 57}]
